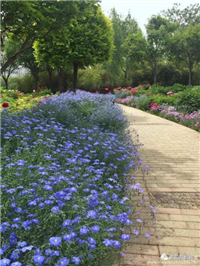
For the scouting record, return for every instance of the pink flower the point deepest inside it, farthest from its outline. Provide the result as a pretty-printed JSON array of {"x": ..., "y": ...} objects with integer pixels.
[
  {"x": 170, "y": 92},
  {"x": 197, "y": 124}
]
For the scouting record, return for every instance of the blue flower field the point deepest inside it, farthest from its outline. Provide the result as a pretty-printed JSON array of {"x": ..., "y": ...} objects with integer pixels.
[{"x": 65, "y": 166}]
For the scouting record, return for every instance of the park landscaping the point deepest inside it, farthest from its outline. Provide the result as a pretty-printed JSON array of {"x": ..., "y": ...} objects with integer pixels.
[{"x": 177, "y": 103}]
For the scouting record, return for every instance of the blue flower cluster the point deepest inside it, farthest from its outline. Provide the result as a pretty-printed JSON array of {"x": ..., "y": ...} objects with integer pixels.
[{"x": 64, "y": 168}]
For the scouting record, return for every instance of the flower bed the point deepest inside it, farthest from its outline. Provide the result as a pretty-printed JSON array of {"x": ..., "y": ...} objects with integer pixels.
[
  {"x": 182, "y": 107},
  {"x": 65, "y": 165},
  {"x": 16, "y": 100}
]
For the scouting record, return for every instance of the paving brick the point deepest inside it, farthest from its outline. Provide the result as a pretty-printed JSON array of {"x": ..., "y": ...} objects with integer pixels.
[
  {"x": 140, "y": 260},
  {"x": 142, "y": 249},
  {"x": 187, "y": 233},
  {"x": 179, "y": 241},
  {"x": 187, "y": 218}
]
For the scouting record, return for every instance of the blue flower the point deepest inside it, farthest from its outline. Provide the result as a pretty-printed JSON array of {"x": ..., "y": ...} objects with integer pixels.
[
  {"x": 17, "y": 263},
  {"x": 76, "y": 260},
  {"x": 4, "y": 262},
  {"x": 135, "y": 232},
  {"x": 147, "y": 235},
  {"x": 38, "y": 259},
  {"x": 91, "y": 240},
  {"x": 125, "y": 237},
  {"x": 55, "y": 209},
  {"x": 108, "y": 242},
  {"x": 95, "y": 228},
  {"x": 116, "y": 244},
  {"x": 84, "y": 230},
  {"x": 91, "y": 214},
  {"x": 21, "y": 244},
  {"x": 63, "y": 261},
  {"x": 55, "y": 241}
]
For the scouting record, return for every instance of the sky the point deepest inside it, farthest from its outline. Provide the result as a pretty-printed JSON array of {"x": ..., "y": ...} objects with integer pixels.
[{"x": 142, "y": 10}]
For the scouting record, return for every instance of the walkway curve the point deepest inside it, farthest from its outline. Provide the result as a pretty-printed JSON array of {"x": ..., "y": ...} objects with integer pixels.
[{"x": 172, "y": 152}]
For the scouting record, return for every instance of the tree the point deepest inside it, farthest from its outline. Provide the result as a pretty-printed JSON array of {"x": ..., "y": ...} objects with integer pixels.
[
  {"x": 9, "y": 47},
  {"x": 184, "y": 46},
  {"x": 86, "y": 41},
  {"x": 119, "y": 65},
  {"x": 187, "y": 16},
  {"x": 27, "y": 60},
  {"x": 27, "y": 21},
  {"x": 135, "y": 47},
  {"x": 158, "y": 31}
]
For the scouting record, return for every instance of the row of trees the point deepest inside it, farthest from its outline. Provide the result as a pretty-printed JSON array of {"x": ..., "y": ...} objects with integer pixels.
[
  {"x": 172, "y": 39},
  {"x": 67, "y": 35}
]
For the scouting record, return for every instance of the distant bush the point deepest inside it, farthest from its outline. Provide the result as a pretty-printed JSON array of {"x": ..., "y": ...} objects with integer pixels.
[
  {"x": 88, "y": 79},
  {"x": 155, "y": 89},
  {"x": 189, "y": 100},
  {"x": 144, "y": 103}
]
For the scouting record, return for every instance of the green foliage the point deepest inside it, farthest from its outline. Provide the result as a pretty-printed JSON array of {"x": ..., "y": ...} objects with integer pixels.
[
  {"x": 121, "y": 95},
  {"x": 24, "y": 84},
  {"x": 155, "y": 89},
  {"x": 91, "y": 78},
  {"x": 184, "y": 46},
  {"x": 144, "y": 103},
  {"x": 2, "y": 89},
  {"x": 159, "y": 99},
  {"x": 27, "y": 21},
  {"x": 86, "y": 40},
  {"x": 189, "y": 100}
]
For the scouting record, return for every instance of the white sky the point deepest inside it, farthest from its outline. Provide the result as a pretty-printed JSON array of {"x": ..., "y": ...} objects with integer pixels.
[{"x": 142, "y": 10}]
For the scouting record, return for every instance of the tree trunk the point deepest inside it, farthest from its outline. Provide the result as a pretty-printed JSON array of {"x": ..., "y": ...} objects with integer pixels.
[
  {"x": 75, "y": 76},
  {"x": 190, "y": 77},
  {"x": 155, "y": 73},
  {"x": 50, "y": 70},
  {"x": 6, "y": 81},
  {"x": 35, "y": 77},
  {"x": 61, "y": 80},
  {"x": 154, "y": 78}
]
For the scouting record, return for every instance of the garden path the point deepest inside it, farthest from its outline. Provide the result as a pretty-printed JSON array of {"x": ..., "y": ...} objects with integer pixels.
[{"x": 172, "y": 152}]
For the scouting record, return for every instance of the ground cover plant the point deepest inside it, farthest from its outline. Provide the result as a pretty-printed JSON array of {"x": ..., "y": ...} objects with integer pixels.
[
  {"x": 178, "y": 103},
  {"x": 65, "y": 165}
]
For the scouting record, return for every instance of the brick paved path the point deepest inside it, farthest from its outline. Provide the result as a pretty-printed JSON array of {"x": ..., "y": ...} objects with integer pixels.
[{"x": 172, "y": 152}]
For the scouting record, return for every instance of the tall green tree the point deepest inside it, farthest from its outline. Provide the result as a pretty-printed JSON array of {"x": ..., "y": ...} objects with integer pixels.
[
  {"x": 27, "y": 21},
  {"x": 185, "y": 47},
  {"x": 135, "y": 47},
  {"x": 158, "y": 31},
  {"x": 86, "y": 41}
]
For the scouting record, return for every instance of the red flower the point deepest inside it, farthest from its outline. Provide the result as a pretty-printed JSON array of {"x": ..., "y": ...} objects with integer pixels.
[
  {"x": 10, "y": 95},
  {"x": 37, "y": 90},
  {"x": 28, "y": 100},
  {"x": 148, "y": 95},
  {"x": 1, "y": 96},
  {"x": 33, "y": 96},
  {"x": 4, "y": 105}
]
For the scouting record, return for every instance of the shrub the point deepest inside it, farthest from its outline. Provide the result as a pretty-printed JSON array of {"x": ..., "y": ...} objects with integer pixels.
[
  {"x": 159, "y": 99},
  {"x": 144, "y": 103},
  {"x": 189, "y": 100},
  {"x": 155, "y": 89}
]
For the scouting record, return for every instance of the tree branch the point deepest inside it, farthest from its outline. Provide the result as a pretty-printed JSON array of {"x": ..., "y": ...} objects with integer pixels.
[{"x": 11, "y": 60}]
